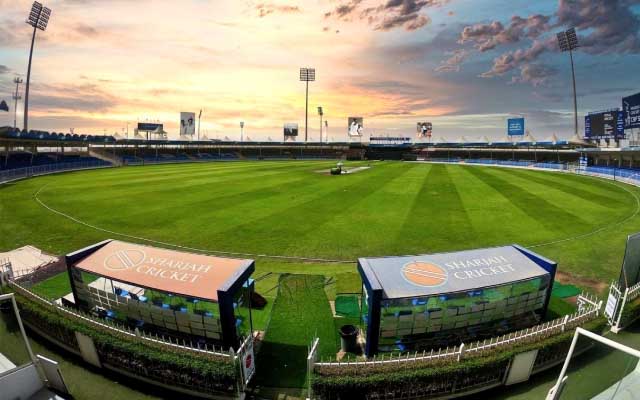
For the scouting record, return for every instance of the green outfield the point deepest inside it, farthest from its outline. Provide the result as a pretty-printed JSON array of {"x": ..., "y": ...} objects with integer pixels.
[
  {"x": 286, "y": 208},
  {"x": 290, "y": 209}
]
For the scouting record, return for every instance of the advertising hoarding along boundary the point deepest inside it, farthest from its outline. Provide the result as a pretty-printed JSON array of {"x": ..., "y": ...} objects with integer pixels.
[{"x": 515, "y": 127}]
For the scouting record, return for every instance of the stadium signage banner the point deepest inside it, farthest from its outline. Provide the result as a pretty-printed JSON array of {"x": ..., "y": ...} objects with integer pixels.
[
  {"x": 355, "y": 124},
  {"x": 515, "y": 126},
  {"x": 150, "y": 126},
  {"x": 187, "y": 123},
  {"x": 195, "y": 275},
  {"x": 452, "y": 272},
  {"x": 631, "y": 110},
  {"x": 424, "y": 129},
  {"x": 291, "y": 129},
  {"x": 604, "y": 125}
]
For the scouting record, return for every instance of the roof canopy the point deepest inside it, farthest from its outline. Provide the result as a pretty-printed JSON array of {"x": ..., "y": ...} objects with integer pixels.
[
  {"x": 426, "y": 275},
  {"x": 187, "y": 274}
]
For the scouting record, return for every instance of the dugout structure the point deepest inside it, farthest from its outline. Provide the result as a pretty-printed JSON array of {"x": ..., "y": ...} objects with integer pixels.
[
  {"x": 415, "y": 303},
  {"x": 193, "y": 297}
]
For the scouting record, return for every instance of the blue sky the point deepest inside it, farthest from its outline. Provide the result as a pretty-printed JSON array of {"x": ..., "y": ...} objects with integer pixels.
[{"x": 465, "y": 65}]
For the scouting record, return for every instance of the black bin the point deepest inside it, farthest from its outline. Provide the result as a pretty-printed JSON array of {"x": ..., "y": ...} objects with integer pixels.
[{"x": 349, "y": 339}]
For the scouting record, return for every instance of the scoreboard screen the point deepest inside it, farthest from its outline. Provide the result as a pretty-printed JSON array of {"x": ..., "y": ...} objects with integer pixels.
[{"x": 606, "y": 125}]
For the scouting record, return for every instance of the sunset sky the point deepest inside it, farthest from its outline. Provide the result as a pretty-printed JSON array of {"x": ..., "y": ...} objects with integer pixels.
[{"x": 465, "y": 65}]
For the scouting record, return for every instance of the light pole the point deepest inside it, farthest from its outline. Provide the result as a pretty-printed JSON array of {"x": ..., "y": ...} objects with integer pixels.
[
  {"x": 199, "y": 123},
  {"x": 16, "y": 96},
  {"x": 307, "y": 75},
  {"x": 38, "y": 19},
  {"x": 241, "y": 131},
  {"x": 320, "y": 113},
  {"x": 326, "y": 130},
  {"x": 568, "y": 41}
]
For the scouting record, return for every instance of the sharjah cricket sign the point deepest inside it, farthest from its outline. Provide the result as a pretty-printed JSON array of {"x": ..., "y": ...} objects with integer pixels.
[
  {"x": 191, "y": 274},
  {"x": 451, "y": 272}
]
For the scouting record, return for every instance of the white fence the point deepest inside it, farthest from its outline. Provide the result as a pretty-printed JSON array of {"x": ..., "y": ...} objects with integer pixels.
[
  {"x": 588, "y": 309},
  {"x": 166, "y": 342},
  {"x": 616, "y": 304}
]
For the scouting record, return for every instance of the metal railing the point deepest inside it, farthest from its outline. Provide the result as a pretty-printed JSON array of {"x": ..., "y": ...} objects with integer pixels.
[
  {"x": 27, "y": 172},
  {"x": 122, "y": 329},
  {"x": 589, "y": 308}
]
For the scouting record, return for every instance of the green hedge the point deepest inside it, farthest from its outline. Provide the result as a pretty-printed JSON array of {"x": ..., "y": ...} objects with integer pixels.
[
  {"x": 398, "y": 379},
  {"x": 206, "y": 373},
  {"x": 631, "y": 311}
]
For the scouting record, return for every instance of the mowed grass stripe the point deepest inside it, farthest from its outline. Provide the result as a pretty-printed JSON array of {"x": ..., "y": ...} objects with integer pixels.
[
  {"x": 582, "y": 209},
  {"x": 204, "y": 196},
  {"x": 176, "y": 182},
  {"x": 282, "y": 226},
  {"x": 553, "y": 218},
  {"x": 495, "y": 218},
  {"x": 358, "y": 224},
  {"x": 600, "y": 198},
  {"x": 438, "y": 220}
]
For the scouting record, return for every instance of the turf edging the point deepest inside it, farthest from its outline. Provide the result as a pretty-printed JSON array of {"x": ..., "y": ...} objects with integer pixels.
[
  {"x": 205, "y": 374},
  {"x": 467, "y": 374}
]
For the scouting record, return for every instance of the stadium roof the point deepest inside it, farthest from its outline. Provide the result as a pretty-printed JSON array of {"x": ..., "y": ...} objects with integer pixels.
[
  {"x": 434, "y": 274},
  {"x": 187, "y": 274}
]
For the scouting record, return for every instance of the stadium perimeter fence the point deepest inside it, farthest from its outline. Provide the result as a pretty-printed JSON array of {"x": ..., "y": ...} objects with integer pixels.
[
  {"x": 588, "y": 309},
  {"x": 115, "y": 329},
  {"x": 28, "y": 172}
]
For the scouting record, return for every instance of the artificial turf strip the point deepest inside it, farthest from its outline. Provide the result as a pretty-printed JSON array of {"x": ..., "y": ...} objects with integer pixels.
[
  {"x": 301, "y": 311},
  {"x": 563, "y": 291},
  {"x": 347, "y": 306}
]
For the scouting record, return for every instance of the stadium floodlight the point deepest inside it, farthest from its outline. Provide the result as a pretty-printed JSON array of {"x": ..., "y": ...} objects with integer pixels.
[
  {"x": 38, "y": 19},
  {"x": 16, "y": 96},
  {"x": 326, "y": 130},
  {"x": 241, "y": 131},
  {"x": 320, "y": 113},
  {"x": 307, "y": 75},
  {"x": 568, "y": 41}
]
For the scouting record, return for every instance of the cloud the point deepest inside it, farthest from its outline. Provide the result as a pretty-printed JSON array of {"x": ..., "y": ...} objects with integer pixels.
[
  {"x": 390, "y": 15},
  {"x": 4, "y": 69},
  {"x": 513, "y": 59},
  {"x": 535, "y": 74},
  {"x": 452, "y": 64},
  {"x": 604, "y": 27},
  {"x": 265, "y": 9},
  {"x": 488, "y": 36},
  {"x": 612, "y": 25},
  {"x": 71, "y": 97}
]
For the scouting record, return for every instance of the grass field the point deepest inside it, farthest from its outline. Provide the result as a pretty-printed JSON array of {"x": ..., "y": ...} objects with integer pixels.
[{"x": 287, "y": 208}]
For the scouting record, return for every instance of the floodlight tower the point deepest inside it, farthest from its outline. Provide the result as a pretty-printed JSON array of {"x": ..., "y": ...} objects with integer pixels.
[
  {"x": 326, "y": 130},
  {"x": 320, "y": 113},
  {"x": 38, "y": 19},
  {"x": 307, "y": 75},
  {"x": 568, "y": 41},
  {"x": 16, "y": 96},
  {"x": 199, "y": 116},
  {"x": 241, "y": 131}
]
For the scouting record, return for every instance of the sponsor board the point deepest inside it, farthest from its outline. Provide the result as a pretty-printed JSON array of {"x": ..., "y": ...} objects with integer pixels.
[{"x": 515, "y": 126}]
